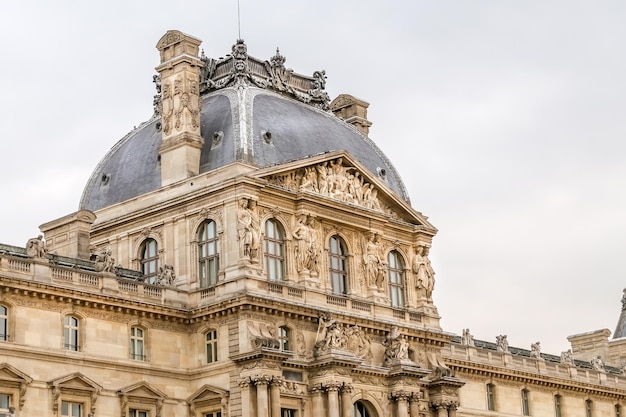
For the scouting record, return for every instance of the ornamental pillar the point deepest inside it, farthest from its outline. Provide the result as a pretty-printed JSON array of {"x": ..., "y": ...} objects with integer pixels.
[
  {"x": 261, "y": 396},
  {"x": 244, "y": 385},
  {"x": 452, "y": 409},
  {"x": 442, "y": 410},
  {"x": 401, "y": 398},
  {"x": 275, "y": 385},
  {"x": 318, "y": 400},
  {"x": 414, "y": 405},
  {"x": 333, "y": 399},
  {"x": 346, "y": 401}
]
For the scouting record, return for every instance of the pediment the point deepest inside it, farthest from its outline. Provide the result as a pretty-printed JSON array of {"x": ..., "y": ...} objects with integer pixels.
[
  {"x": 142, "y": 390},
  {"x": 75, "y": 381},
  {"x": 339, "y": 177},
  {"x": 10, "y": 374},
  {"x": 207, "y": 393}
]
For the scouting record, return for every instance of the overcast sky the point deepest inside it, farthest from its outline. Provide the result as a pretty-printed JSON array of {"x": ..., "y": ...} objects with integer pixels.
[{"x": 507, "y": 121}]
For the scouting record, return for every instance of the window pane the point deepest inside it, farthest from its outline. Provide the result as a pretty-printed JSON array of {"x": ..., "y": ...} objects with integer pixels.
[{"x": 4, "y": 401}]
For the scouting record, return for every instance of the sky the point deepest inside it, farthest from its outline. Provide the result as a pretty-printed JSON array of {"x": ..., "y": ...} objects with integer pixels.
[{"x": 506, "y": 120}]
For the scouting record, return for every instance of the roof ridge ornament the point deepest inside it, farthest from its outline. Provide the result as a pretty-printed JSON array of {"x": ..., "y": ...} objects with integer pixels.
[{"x": 239, "y": 68}]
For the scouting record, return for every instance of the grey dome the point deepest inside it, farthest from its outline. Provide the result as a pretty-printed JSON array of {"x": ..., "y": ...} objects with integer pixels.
[{"x": 233, "y": 126}]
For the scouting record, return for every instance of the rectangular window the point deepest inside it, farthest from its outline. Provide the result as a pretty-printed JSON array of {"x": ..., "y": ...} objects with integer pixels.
[
  {"x": 5, "y": 402},
  {"x": 69, "y": 409},
  {"x": 4, "y": 323},
  {"x": 525, "y": 404},
  {"x": 136, "y": 343},
  {"x": 491, "y": 401},
  {"x": 213, "y": 414},
  {"x": 618, "y": 410},
  {"x": 557, "y": 406},
  {"x": 70, "y": 333},
  {"x": 211, "y": 346},
  {"x": 287, "y": 412},
  {"x": 137, "y": 413}
]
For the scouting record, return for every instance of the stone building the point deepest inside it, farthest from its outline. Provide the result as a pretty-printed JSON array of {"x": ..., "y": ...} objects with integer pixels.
[{"x": 249, "y": 251}]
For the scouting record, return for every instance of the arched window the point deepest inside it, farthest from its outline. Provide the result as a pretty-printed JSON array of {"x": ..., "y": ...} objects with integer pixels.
[
  {"x": 525, "y": 403},
  {"x": 396, "y": 278},
  {"x": 557, "y": 405},
  {"x": 274, "y": 250},
  {"x": 71, "y": 330},
  {"x": 337, "y": 265},
  {"x": 4, "y": 323},
  {"x": 137, "y": 343},
  {"x": 211, "y": 346},
  {"x": 589, "y": 408},
  {"x": 283, "y": 338},
  {"x": 149, "y": 260},
  {"x": 208, "y": 254},
  {"x": 359, "y": 410}
]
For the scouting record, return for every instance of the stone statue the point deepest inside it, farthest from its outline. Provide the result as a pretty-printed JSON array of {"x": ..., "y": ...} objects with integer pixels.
[
  {"x": 597, "y": 364},
  {"x": 358, "y": 342},
  {"x": 307, "y": 247},
  {"x": 373, "y": 261},
  {"x": 567, "y": 358},
  {"x": 248, "y": 225},
  {"x": 36, "y": 247},
  {"x": 330, "y": 334},
  {"x": 425, "y": 276},
  {"x": 166, "y": 275},
  {"x": 467, "y": 339},
  {"x": 263, "y": 336},
  {"x": 535, "y": 350},
  {"x": 502, "y": 345},
  {"x": 396, "y": 346},
  {"x": 103, "y": 261}
]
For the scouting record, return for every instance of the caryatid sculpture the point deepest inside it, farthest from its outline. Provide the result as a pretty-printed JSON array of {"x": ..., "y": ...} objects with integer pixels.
[
  {"x": 248, "y": 227},
  {"x": 425, "y": 276}
]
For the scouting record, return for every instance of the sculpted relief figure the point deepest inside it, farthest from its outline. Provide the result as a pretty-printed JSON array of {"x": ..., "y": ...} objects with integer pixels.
[
  {"x": 535, "y": 350},
  {"x": 333, "y": 179},
  {"x": 425, "y": 276},
  {"x": 396, "y": 346},
  {"x": 307, "y": 246},
  {"x": 502, "y": 345},
  {"x": 166, "y": 275},
  {"x": 373, "y": 261},
  {"x": 358, "y": 342},
  {"x": 567, "y": 357},
  {"x": 597, "y": 363},
  {"x": 467, "y": 339},
  {"x": 103, "y": 260},
  {"x": 248, "y": 226},
  {"x": 36, "y": 247},
  {"x": 330, "y": 334}
]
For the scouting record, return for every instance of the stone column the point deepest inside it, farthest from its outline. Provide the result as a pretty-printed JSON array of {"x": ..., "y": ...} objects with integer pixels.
[
  {"x": 275, "y": 385},
  {"x": 401, "y": 398},
  {"x": 414, "y": 405},
  {"x": 442, "y": 409},
  {"x": 244, "y": 385},
  {"x": 452, "y": 409},
  {"x": 333, "y": 399},
  {"x": 261, "y": 396},
  {"x": 346, "y": 401},
  {"x": 318, "y": 400}
]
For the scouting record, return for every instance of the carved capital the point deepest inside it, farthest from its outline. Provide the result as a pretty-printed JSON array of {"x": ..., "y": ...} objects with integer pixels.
[
  {"x": 277, "y": 381},
  {"x": 400, "y": 396},
  {"x": 261, "y": 380},
  {"x": 244, "y": 383},
  {"x": 331, "y": 386}
]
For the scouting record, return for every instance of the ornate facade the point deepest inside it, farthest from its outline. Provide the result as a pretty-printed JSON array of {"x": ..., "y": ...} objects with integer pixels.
[{"x": 249, "y": 251}]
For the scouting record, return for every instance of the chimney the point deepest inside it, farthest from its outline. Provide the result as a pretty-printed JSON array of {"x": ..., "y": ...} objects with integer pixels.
[
  {"x": 352, "y": 110},
  {"x": 180, "y": 106},
  {"x": 69, "y": 236}
]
